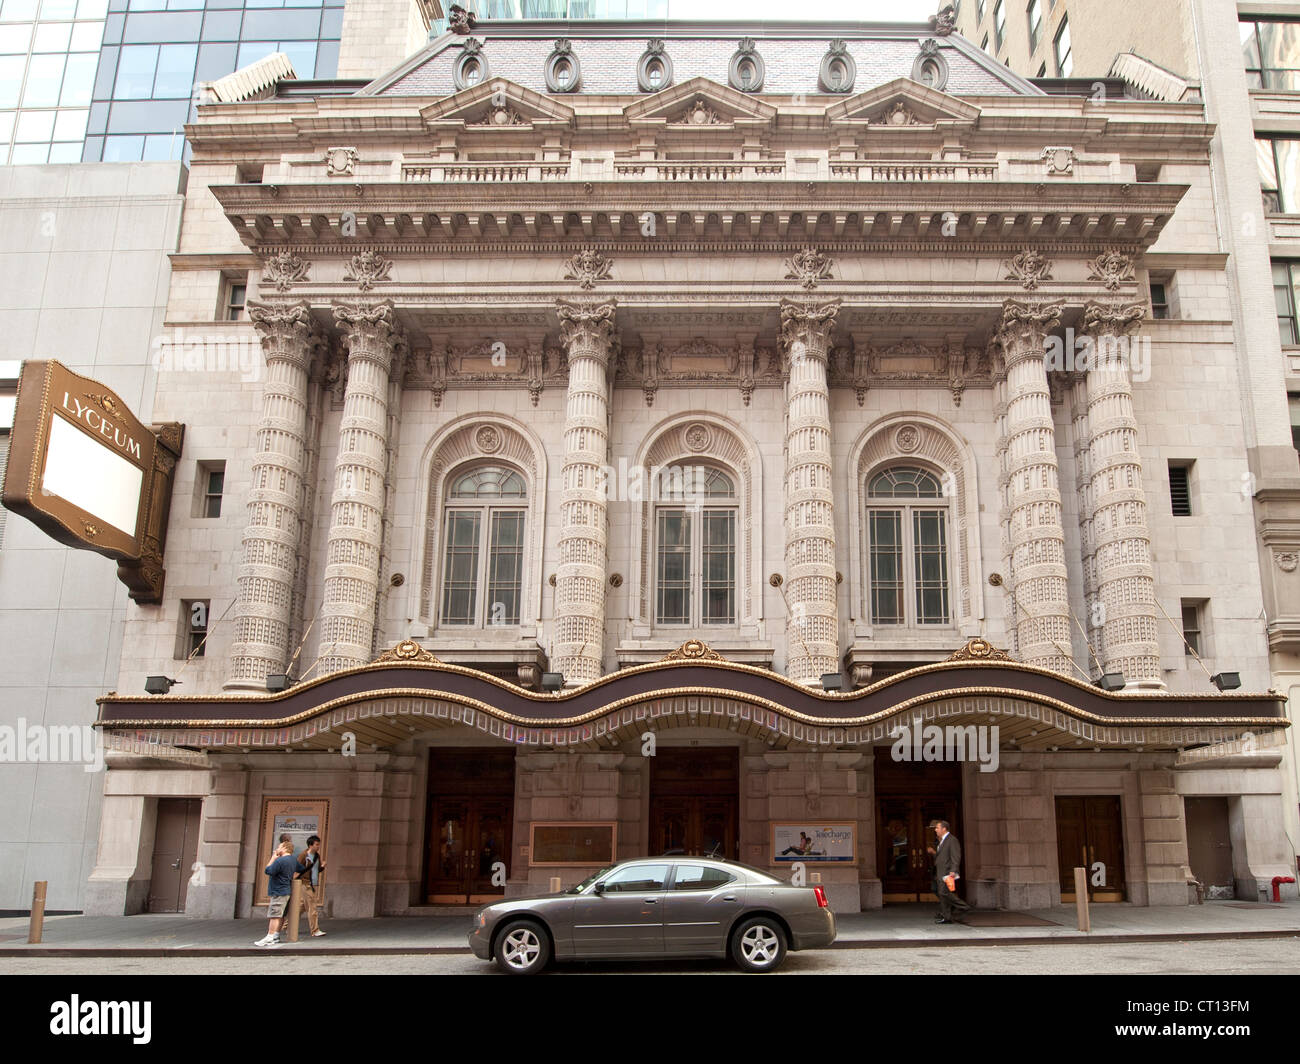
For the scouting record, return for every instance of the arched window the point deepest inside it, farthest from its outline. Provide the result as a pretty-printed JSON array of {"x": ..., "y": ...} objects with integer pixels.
[
  {"x": 483, "y": 547},
  {"x": 907, "y": 544},
  {"x": 695, "y": 546}
]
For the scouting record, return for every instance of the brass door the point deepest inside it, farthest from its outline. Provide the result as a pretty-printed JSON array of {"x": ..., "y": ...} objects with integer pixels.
[{"x": 467, "y": 837}]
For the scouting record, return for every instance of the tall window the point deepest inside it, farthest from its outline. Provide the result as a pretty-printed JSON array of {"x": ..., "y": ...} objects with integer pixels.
[
  {"x": 1279, "y": 173},
  {"x": 1035, "y": 23},
  {"x": 695, "y": 547},
  {"x": 907, "y": 543},
  {"x": 1193, "y": 623},
  {"x": 979, "y": 11},
  {"x": 1000, "y": 22},
  {"x": 1064, "y": 61},
  {"x": 483, "y": 552},
  {"x": 1285, "y": 276},
  {"x": 1271, "y": 52}
]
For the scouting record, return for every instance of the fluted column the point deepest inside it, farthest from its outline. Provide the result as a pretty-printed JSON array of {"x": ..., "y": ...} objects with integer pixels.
[
  {"x": 812, "y": 618},
  {"x": 351, "y": 587},
  {"x": 1040, "y": 590},
  {"x": 264, "y": 611},
  {"x": 587, "y": 332},
  {"x": 1125, "y": 576},
  {"x": 1080, "y": 437}
]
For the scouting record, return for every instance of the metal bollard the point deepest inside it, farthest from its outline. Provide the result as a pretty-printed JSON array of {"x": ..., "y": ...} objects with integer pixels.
[
  {"x": 555, "y": 885},
  {"x": 37, "y": 924},
  {"x": 291, "y": 917},
  {"x": 1081, "y": 898}
]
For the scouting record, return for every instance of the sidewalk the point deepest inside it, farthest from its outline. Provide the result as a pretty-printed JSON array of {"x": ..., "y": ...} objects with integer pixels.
[{"x": 896, "y": 926}]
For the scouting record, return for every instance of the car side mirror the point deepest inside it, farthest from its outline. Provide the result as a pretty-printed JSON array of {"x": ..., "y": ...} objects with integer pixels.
[{"x": 599, "y": 888}]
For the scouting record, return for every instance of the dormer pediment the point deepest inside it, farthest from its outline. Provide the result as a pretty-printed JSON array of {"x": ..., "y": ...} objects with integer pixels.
[
  {"x": 699, "y": 104},
  {"x": 497, "y": 104},
  {"x": 899, "y": 104}
]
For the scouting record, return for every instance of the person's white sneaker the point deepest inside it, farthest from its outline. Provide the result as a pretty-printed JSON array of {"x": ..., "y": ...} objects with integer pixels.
[
  {"x": 275, "y": 943},
  {"x": 265, "y": 940},
  {"x": 317, "y": 934}
]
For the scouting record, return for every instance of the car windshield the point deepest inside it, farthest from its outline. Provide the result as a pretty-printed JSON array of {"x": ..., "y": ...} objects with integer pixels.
[{"x": 579, "y": 888}]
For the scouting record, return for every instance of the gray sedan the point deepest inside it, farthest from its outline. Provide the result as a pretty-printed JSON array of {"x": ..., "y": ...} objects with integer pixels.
[{"x": 658, "y": 907}]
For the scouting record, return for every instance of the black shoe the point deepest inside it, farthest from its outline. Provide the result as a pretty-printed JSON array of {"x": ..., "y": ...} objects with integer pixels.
[{"x": 941, "y": 920}]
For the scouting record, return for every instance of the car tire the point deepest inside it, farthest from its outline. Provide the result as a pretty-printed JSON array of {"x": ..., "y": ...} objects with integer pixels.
[
  {"x": 522, "y": 948},
  {"x": 758, "y": 944}
]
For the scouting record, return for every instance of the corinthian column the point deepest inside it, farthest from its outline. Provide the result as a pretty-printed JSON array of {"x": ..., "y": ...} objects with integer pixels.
[
  {"x": 587, "y": 331},
  {"x": 275, "y": 501},
  {"x": 1039, "y": 586},
  {"x": 352, "y": 552},
  {"x": 1125, "y": 577},
  {"x": 812, "y": 614}
]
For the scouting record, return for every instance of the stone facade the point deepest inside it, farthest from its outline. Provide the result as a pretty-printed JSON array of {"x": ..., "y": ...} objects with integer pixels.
[{"x": 852, "y": 313}]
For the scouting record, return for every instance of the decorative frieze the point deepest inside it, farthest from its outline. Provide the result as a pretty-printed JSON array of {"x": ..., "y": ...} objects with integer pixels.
[
  {"x": 1112, "y": 268},
  {"x": 1030, "y": 268},
  {"x": 284, "y": 270},
  {"x": 366, "y": 269}
]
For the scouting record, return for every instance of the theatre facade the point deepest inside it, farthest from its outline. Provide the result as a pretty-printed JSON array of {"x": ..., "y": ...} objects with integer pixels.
[{"x": 684, "y": 438}]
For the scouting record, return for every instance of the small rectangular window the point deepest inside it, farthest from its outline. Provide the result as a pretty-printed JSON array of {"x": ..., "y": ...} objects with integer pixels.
[
  {"x": 1163, "y": 293},
  {"x": 210, "y": 486},
  {"x": 1192, "y": 635},
  {"x": 1292, "y": 400},
  {"x": 1000, "y": 22},
  {"x": 1288, "y": 327},
  {"x": 1180, "y": 489},
  {"x": 234, "y": 294},
  {"x": 1035, "y": 12},
  {"x": 192, "y": 640},
  {"x": 250, "y": 173},
  {"x": 1064, "y": 60},
  {"x": 1159, "y": 301}
]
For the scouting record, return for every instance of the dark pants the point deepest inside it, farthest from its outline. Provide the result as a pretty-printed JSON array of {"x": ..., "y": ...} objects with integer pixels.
[{"x": 948, "y": 901}]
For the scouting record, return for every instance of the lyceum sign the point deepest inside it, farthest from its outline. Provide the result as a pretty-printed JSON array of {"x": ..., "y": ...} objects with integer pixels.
[{"x": 89, "y": 473}]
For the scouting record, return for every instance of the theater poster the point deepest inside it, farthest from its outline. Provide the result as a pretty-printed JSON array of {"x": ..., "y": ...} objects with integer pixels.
[
  {"x": 814, "y": 842},
  {"x": 299, "y": 818}
]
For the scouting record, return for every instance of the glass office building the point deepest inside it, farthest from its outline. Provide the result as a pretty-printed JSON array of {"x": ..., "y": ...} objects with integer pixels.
[{"x": 612, "y": 9}]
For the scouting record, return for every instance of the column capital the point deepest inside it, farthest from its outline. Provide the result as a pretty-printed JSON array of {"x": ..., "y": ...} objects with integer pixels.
[
  {"x": 371, "y": 331},
  {"x": 1112, "y": 319},
  {"x": 808, "y": 321},
  {"x": 1023, "y": 329},
  {"x": 287, "y": 331},
  {"x": 587, "y": 324}
]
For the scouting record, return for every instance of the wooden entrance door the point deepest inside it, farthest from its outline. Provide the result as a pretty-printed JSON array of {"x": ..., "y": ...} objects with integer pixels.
[
  {"x": 175, "y": 848},
  {"x": 1090, "y": 834},
  {"x": 694, "y": 801},
  {"x": 471, "y": 814},
  {"x": 910, "y": 798}
]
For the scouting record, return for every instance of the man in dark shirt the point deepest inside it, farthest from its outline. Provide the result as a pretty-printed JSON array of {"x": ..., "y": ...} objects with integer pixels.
[
  {"x": 280, "y": 873},
  {"x": 309, "y": 871}
]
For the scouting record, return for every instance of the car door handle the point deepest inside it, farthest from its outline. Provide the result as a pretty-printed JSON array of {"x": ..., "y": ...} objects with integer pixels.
[
  {"x": 651, "y": 901},
  {"x": 728, "y": 897}
]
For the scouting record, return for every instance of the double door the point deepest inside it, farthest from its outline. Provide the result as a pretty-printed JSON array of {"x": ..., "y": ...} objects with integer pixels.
[
  {"x": 1090, "y": 835},
  {"x": 470, "y": 835},
  {"x": 904, "y": 836},
  {"x": 694, "y": 802}
]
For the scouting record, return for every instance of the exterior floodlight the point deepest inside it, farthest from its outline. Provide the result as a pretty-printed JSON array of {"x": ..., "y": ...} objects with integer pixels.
[
  {"x": 1226, "y": 681},
  {"x": 832, "y": 681},
  {"x": 278, "y": 681},
  {"x": 1111, "y": 681},
  {"x": 552, "y": 681},
  {"x": 158, "y": 685}
]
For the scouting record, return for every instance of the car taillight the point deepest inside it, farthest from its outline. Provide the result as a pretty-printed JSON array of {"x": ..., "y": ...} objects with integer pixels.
[{"x": 821, "y": 897}]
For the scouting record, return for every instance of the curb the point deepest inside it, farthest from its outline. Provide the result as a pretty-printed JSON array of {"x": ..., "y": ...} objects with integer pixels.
[{"x": 380, "y": 951}]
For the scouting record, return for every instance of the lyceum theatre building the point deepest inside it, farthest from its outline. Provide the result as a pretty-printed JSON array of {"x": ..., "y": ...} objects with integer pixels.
[{"x": 700, "y": 437}]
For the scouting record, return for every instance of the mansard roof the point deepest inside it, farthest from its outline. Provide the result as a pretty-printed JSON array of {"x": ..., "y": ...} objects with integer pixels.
[{"x": 792, "y": 53}]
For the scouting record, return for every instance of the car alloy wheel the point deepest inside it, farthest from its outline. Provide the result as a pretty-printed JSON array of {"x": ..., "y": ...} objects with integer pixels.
[
  {"x": 758, "y": 945},
  {"x": 522, "y": 948}
]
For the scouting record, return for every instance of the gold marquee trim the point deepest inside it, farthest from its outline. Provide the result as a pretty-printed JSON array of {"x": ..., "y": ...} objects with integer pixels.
[
  {"x": 979, "y": 649},
  {"x": 693, "y": 650},
  {"x": 405, "y": 652}
]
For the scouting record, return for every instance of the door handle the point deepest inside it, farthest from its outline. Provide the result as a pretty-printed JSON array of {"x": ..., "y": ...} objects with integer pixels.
[
  {"x": 651, "y": 901},
  {"x": 176, "y": 863},
  {"x": 728, "y": 897}
]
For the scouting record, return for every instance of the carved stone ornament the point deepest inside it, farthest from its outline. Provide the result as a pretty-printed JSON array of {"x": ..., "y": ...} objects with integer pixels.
[
  {"x": 808, "y": 267},
  {"x": 1287, "y": 560},
  {"x": 898, "y": 115},
  {"x": 698, "y": 114},
  {"x": 284, "y": 270},
  {"x": 930, "y": 67},
  {"x": 979, "y": 650},
  {"x": 500, "y": 115},
  {"x": 1112, "y": 268},
  {"x": 654, "y": 70},
  {"x": 945, "y": 21},
  {"x": 1058, "y": 160},
  {"x": 694, "y": 650},
  {"x": 471, "y": 67},
  {"x": 563, "y": 72},
  {"x": 698, "y": 438},
  {"x": 488, "y": 439},
  {"x": 747, "y": 68},
  {"x": 406, "y": 651},
  {"x": 587, "y": 267},
  {"x": 340, "y": 162},
  {"x": 366, "y": 269},
  {"x": 838, "y": 70},
  {"x": 460, "y": 21},
  {"x": 907, "y": 439},
  {"x": 1029, "y": 268}
]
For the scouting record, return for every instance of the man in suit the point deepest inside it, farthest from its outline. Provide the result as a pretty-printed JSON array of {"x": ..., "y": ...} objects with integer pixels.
[{"x": 947, "y": 861}]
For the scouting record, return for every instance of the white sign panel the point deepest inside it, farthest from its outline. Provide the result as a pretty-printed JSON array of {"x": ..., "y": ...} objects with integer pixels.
[{"x": 92, "y": 477}]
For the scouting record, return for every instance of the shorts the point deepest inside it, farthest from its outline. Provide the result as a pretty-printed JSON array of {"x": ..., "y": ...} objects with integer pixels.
[{"x": 279, "y": 903}]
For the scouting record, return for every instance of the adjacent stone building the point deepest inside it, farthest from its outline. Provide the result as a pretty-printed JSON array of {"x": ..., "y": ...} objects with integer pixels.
[{"x": 655, "y": 422}]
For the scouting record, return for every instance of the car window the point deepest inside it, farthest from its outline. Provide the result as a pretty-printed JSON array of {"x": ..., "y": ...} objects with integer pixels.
[
  {"x": 637, "y": 878},
  {"x": 700, "y": 877}
]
